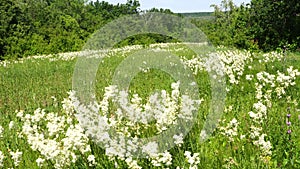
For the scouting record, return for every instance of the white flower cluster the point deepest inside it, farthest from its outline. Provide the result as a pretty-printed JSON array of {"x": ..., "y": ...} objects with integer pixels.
[
  {"x": 271, "y": 57},
  {"x": 280, "y": 82},
  {"x": 235, "y": 61},
  {"x": 56, "y": 137},
  {"x": 69, "y": 56},
  {"x": 163, "y": 108},
  {"x": 193, "y": 160},
  {"x": 1, "y": 158},
  {"x": 16, "y": 157},
  {"x": 265, "y": 146},
  {"x": 132, "y": 164},
  {"x": 266, "y": 78},
  {"x": 196, "y": 64},
  {"x": 161, "y": 159},
  {"x": 168, "y": 45},
  {"x": 1, "y": 131},
  {"x": 151, "y": 148},
  {"x": 261, "y": 114},
  {"x": 258, "y": 119},
  {"x": 116, "y": 122},
  {"x": 5, "y": 63},
  {"x": 11, "y": 125},
  {"x": 288, "y": 80},
  {"x": 264, "y": 89},
  {"x": 178, "y": 139},
  {"x": 267, "y": 83},
  {"x": 249, "y": 77},
  {"x": 40, "y": 162},
  {"x": 229, "y": 62},
  {"x": 92, "y": 160},
  {"x": 231, "y": 130},
  {"x": 255, "y": 132}
]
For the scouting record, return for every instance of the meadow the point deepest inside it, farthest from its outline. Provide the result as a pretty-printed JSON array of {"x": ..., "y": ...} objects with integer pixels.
[{"x": 259, "y": 126}]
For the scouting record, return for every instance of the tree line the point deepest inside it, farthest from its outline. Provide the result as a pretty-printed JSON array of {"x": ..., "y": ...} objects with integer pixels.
[
  {"x": 30, "y": 27},
  {"x": 260, "y": 25}
]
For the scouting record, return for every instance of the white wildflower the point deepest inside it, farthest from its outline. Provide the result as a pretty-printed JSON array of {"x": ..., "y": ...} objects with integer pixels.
[
  {"x": 11, "y": 125},
  {"x": 231, "y": 129},
  {"x": 92, "y": 161},
  {"x": 132, "y": 164},
  {"x": 16, "y": 157},
  {"x": 255, "y": 132},
  {"x": 265, "y": 146},
  {"x": 249, "y": 77},
  {"x": 60, "y": 151},
  {"x": 161, "y": 159},
  {"x": 40, "y": 162},
  {"x": 1, "y": 158},
  {"x": 260, "y": 107},
  {"x": 178, "y": 139},
  {"x": 38, "y": 115},
  {"x": 20, "y": 113},
  {"x": 242, "y": 137},
  {"x": 254, "y": 115},
  {"x": 203, "y": 135},
  {"x": 193, "y": 160},
  {"x": 234, "y": 122},
  {"x": 1, "y": 131},
  {"x": 150, "y": 148}
]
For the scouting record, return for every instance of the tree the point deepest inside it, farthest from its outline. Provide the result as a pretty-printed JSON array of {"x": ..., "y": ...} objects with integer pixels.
[
  {"x": 29, "y": 27},
  {"x": 12, "y": 28},
  {"x": 230, "y": 26},
  {"x": 275, "y": 22}
]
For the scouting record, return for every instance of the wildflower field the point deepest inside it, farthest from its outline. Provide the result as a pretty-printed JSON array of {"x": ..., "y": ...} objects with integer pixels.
[{"x": 258, "y": 128}]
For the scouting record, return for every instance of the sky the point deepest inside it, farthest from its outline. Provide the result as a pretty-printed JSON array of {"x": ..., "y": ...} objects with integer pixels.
[{"x": 180, "y": 6}]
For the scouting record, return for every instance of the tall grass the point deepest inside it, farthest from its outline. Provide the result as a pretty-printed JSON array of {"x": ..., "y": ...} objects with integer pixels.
[{"x": 41, "y": 83}]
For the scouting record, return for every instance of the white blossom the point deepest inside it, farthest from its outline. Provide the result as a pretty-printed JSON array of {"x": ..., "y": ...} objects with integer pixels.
[
  {"x": 132, "y": 164},
  {"x": 193, "y": 160},
  {"x": 11, "y": 124},
  {"x": 40, "y": 162},
  {"x": 16, "y": 157},
  {"x": 178, "y": 139},
  {"x": 1, "y": 131},
  {"x": 161, "y": 159},
  {"x": 150, "y": 148},
  {"x": 1, "y": 159},
  {"x": 92, "y": 161}
]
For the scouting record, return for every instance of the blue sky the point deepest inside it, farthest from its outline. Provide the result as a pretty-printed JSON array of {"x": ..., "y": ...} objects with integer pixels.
[{"x": 180, "y": 5}]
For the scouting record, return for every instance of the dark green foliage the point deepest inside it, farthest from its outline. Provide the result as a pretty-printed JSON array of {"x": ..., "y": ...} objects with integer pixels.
[
  {"x": 229, "y": 27},
  {"x": 30, "y": 27},
  {"x": 275, "y": 23},
  {"x": 13, "y": 28},
  {"x": 262, "y": 24}
]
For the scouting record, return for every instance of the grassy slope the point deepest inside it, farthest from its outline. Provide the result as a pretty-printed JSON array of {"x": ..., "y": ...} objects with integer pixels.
[{"x": 30, "y": 85}]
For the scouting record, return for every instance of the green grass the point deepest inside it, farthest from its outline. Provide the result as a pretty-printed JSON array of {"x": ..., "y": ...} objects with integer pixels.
[{"x": 30, "y": 85}]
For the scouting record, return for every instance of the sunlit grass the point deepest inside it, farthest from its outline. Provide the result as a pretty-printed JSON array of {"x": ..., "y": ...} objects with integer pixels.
[{"x": 31, "y": 84}]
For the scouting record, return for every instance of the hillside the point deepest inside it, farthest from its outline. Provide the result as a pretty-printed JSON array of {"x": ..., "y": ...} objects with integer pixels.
[{"x": 207, "y": 15}]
